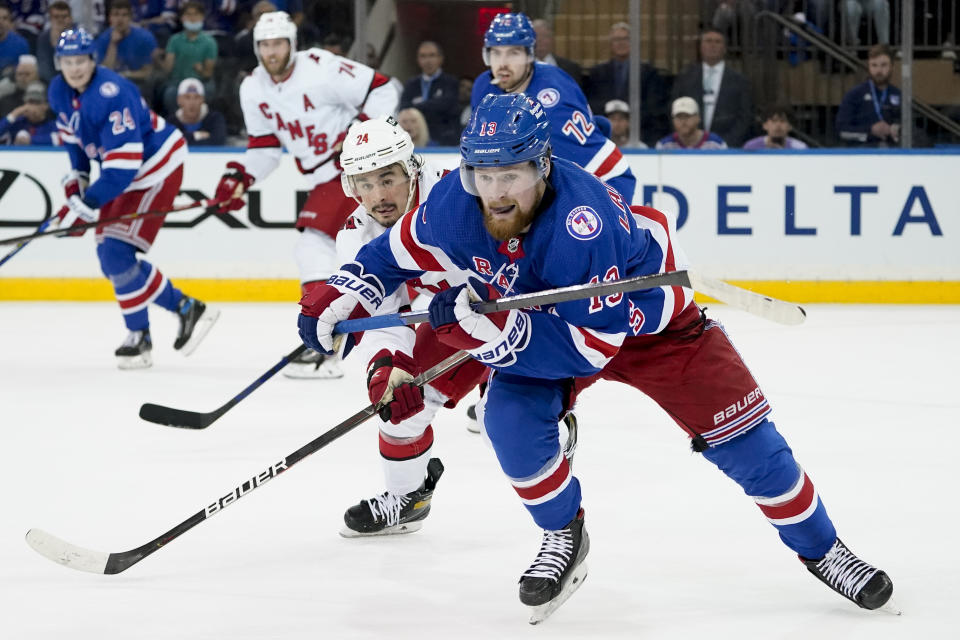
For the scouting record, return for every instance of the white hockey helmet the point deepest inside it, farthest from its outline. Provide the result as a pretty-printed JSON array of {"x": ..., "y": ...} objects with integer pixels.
[
  {"x": 375, "y": 144},
  {"x": 275, "y": 24}
]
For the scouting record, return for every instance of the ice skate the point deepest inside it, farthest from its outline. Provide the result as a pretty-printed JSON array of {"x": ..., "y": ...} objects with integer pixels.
[
  {"x": 390, "y": 514},
  {"x": 558, "y": 570},
  {"x": 313, "y": 364},
  {"x": 134, "y": 353},
  {"x": 196, "y": 319},
  {"x": 473, "y": 426},
  {"x": 861, "y": 583}
]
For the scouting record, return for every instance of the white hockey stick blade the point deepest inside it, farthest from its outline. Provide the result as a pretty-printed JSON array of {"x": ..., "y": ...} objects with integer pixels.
[
  {"x": 891, "y": 607},
  {"x": 540, "y": 613},
  {"x": 755, "y": 303},
  {"x": 62, "y": 552}
]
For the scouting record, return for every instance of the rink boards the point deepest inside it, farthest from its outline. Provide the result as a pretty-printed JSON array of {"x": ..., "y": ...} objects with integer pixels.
[{"x": 820, "y": 226}]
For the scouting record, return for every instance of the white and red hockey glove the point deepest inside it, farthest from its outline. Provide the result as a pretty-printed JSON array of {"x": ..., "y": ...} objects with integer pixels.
[
  {"x": 75, "y": 212},
  {"x": 233, "y": 184},
  {"x": 347, "y": 294},
  {"x": 491, "y": 338},
  {"x": 75, "y": 183},
  {"x": 391, "y": 387}
]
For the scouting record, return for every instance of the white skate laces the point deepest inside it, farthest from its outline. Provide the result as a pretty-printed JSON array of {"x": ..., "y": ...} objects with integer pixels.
[
  {"x": 387, "y": 506},
  {"x": 847, "y": 573},
  {"x": 555, "y": 554},
  {"x": 132, "y": 339}
]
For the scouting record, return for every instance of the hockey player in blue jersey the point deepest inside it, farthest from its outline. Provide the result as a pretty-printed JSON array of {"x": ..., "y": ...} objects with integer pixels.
[
  {"x": 101, "y": 116},
  {"x": 508, "y": 50},
  {"x": 520, "y": 221}
]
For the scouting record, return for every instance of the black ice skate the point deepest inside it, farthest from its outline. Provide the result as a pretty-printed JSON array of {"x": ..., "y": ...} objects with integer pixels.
[
  {"x": 195, "y": 321},
  {"x": 557, "y": 571},
  {"x": 313, "y": 364},
  {"x": 134, "y": 353},
  {"x": 388, "y": 514},
  {"x": 861, "y": 583}
]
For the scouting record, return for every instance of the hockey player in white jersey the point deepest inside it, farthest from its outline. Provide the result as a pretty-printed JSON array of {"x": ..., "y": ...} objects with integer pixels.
[
  {"x": 304, "y": 101},
  {"x": 383, "y": 175}
]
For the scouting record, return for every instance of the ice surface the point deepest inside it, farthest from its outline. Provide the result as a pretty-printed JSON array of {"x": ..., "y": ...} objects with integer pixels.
[{"x": 866, "y": 395}]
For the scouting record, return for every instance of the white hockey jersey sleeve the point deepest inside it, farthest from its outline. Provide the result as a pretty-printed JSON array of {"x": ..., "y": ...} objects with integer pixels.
[{"x": 263, "y": 146}]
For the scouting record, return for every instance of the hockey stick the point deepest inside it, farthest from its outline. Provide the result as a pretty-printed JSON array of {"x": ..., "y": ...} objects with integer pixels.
[
  {"x": 23, "y": 243},
  {"x": 194, "y": 419},
  {"x": 172, "y": 417},
  {"x": 69, "y": 555},
  {"x": 206, "y": 202},
  {"x": 755, "y": 303}
]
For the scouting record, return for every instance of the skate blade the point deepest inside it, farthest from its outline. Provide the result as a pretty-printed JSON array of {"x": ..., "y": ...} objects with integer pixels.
[
  {"x": 541, "y": 612},
  {"x": 407, "y": 527},
  {"x": 473, "y": 426},
  {"x": 307, "y": 371},
  {"x": 200, "y": 330},
  {"x": 142, "y": 361}
]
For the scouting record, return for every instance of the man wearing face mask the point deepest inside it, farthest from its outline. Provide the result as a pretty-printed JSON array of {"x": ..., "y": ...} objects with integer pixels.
[{"x": 190, "y": 54}]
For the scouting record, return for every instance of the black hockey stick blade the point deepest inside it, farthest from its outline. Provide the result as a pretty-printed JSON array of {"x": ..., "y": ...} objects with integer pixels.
[
  {"x": 70, "y": 555},
  {"x": 183, "y": 419}
]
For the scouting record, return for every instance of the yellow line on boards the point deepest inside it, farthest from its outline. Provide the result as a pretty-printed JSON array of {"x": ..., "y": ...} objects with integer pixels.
[
  {"x": 98, "y": 289},
  {"x": 216, "y": 290}
]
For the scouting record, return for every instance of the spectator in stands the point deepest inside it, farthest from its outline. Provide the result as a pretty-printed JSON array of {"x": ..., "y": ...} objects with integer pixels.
[
  {"x": 776, "y": 122},
  {"x": 687, "y": 133},
  {"x": 869, "y": 114},
  {"x": 464, "y": 92},
  {"x": 435, "y": 94},
  {"x": 32, "y": 122},
  {"x": 25, "y": 74},
  {"x": 61, "y": 19},
  {"x": 89, "y": 14},
  {"x": 129, "y": 50},
  {"x": 335, "y": 44},
  {"x": 737, "y": 20},
  {"x": 191, "y": 53},
  {"x": 200, "y": 126},
  {"x": 543, "y": 50},
  {"x": 851, "y": 13},
  {"x": 618, "y": 113},
  {"x": 28, "y": 19},
  {"x": 243, "y": 42},
  {"x": 158, "y": 16},
  {"x": 610, "y": 81},
  {"x": 12, "y": 44},
  {"x": 723, "y": 95},
  {"x": 413, "y": 122}
]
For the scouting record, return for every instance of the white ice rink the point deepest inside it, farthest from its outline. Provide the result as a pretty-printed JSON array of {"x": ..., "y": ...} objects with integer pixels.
[{"x": 866, "y": 395}]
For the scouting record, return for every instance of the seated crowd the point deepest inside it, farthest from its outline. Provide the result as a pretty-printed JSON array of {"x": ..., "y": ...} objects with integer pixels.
[{"x": 188, "y": 58}]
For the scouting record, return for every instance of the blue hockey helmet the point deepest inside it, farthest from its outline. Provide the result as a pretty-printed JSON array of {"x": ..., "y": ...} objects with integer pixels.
[
  {"x": 506, "y": 129},
  {"x": 509, "y": 30},
  {"x": 75, "y": 42}
]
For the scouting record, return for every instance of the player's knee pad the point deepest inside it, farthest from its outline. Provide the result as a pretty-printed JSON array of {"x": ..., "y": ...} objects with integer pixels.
[
  {"x": 760, "y": 461},
  {"x": 316, "y": 255},
  {"x": 116, "y": 258},
  {"x": 520, "y": 418}
]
